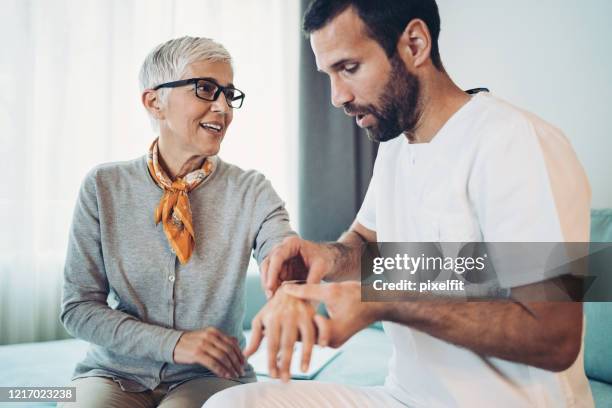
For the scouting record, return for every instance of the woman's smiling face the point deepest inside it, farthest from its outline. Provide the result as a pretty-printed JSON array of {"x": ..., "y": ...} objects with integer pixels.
[{"x": 191, "y": 125}]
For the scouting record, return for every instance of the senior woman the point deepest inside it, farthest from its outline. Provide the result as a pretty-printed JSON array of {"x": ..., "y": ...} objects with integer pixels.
[{"x": 159, "y": 245}]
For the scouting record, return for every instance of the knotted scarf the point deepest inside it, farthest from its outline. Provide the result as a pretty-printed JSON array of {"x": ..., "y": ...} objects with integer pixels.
[{"x": 173, "y": 209}]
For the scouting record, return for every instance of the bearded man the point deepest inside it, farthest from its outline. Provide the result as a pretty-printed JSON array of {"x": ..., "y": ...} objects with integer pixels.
[{"x": 452, "y": 167}]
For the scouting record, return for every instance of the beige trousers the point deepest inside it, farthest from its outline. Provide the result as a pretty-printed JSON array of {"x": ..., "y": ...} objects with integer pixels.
[{"x": 100, "y": 392}]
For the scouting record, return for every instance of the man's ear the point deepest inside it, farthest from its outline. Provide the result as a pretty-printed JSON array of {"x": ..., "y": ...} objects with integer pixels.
[
  {"x": 150, "y": 100},
  {"x": 414, "y": 45}
]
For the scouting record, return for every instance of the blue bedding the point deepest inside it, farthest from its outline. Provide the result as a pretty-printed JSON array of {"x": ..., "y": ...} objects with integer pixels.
[{"x": 362, "y": 362}]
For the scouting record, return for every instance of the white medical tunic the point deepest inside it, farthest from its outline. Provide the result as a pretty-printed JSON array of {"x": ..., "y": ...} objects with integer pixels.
[{"x": 493, "y": 173}]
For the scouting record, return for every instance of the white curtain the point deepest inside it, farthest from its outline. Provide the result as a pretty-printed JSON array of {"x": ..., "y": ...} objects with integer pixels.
[{"x": 69, "y": 100}]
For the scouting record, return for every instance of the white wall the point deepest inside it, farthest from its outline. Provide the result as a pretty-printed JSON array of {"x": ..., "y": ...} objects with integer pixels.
[{"x": 552, "y": 57}]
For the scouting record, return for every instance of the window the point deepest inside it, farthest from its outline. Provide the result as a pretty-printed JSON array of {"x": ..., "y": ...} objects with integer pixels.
[{"x": 70, "y": 100}]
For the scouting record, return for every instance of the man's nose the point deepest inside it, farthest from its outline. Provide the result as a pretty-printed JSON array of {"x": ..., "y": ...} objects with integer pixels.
[{"x": 340, "y": 94}]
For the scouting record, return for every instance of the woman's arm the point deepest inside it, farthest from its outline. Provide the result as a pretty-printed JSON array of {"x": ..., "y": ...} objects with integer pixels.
[
  {"x": 85, "y": 313},
  {"x": 270, "y": 219}
]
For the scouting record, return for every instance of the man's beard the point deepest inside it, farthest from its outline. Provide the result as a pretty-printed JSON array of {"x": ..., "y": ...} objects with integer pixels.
[{"x": 399, "y": 103}]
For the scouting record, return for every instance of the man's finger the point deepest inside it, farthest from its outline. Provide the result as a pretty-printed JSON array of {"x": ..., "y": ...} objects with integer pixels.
[
  {"x": 317, "y": 272},
  {"x": 287, "y": 250},
  {"x": 256, "y": 337},
  {"x": 309, "y": 291},
  {"x": 263, "y": 275}
]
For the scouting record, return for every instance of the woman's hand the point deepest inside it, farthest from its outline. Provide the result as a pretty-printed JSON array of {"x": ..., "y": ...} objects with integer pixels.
[
  {"x": 347, "y": 313},
  {"x": 285, "y": 320},
  {"x": 212, "y": 349}
]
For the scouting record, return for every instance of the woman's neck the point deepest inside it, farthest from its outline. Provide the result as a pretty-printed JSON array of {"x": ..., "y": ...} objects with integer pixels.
[{"x": 176, "y": 164}]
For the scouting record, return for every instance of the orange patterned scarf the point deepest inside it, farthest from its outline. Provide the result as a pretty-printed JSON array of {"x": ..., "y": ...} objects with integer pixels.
[{"x": 173, "y": 209}]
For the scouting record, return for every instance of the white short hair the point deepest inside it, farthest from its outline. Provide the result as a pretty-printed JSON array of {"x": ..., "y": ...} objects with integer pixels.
[{"x": 168, "y": 61}]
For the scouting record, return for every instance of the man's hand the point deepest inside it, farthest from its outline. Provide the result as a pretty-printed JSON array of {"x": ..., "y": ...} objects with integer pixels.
[
  {"x": 296, "y": 259},
  {"x": 212, "y": 349},
  {"x": 348, "y": 314},
  {"x": 285, "y": 319},
  {"x": 546, "y": 335}
]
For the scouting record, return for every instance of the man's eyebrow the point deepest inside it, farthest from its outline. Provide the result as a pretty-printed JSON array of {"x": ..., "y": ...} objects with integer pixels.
[{"x": 336, "y": 65}]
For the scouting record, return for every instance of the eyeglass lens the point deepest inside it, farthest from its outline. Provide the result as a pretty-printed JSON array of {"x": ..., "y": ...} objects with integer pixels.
[{"x": 208, "y": 90}]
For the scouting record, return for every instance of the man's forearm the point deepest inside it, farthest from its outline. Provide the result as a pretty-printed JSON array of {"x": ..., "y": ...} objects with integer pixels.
[
  {"x": 347, "y": 257},
  {"x": 545, "y": 335}
]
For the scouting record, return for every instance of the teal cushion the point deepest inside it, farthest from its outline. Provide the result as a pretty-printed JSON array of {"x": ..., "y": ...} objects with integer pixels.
[
  {"x": 602, "y": 393},
  {"x": 601, "y": 225},
  {"x": 597, "y": 345},
  {"x": 255, "y": 299},
  {"x": 48, "y": 364},
  {"x": 597, "y": 350}
]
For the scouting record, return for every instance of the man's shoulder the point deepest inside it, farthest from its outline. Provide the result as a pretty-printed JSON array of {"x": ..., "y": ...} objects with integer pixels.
[
  {"x": 501, "y": 115},
  {"x": 498, "y": 124}
]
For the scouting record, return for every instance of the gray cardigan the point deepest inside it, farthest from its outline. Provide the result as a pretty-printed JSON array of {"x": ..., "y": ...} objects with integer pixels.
[{"x": 118, "y": 256}]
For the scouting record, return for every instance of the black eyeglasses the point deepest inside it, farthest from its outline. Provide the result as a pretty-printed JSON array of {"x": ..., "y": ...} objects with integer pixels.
[{"x": 209, "y": 90}]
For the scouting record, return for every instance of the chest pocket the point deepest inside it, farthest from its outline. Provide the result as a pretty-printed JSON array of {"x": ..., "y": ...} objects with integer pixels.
[{"x": 448, "y": 216}]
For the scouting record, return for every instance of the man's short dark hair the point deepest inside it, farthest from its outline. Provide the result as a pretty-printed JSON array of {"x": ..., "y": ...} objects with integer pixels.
[{"x": 385, "y": 20}]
